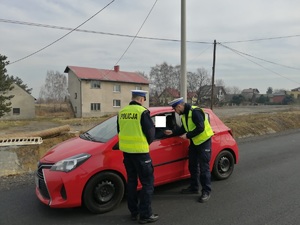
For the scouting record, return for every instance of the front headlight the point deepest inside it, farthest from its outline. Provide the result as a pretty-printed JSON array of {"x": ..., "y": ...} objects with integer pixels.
[{"x": 66, "y": 165}]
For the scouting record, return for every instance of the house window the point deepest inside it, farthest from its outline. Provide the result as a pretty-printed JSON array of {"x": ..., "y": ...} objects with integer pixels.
[
  {"x": 16, "y": 111},
  {"x": 138, "y": 88},
  {"x": 117, "y": 88},
  {"x": 116, "y": 103},
  {"x": 95, "y": 107},
  {"x": 95, "y": 84},
  {"x": 75, "y": 95}
]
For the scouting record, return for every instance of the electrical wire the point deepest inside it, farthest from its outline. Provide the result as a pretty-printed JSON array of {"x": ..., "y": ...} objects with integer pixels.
[
  {"x": 278, "y": 64},
  {"x": 94, "y": 32},
  {"x": 137, "y": 33},
  {"x": 194, "y": 59},
  {"x": 62, "y": 36},
  {"x": 141, "y": 37},
  {"x": 134, "y": 37},
  {"x": 244, "y": 56},
  {"x": 262, "y": 39}
]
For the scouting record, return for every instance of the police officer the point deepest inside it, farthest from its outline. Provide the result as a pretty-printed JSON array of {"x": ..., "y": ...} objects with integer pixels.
[
  {"x": 196, "y": 127},
  {"x": 136, "y": 131}
]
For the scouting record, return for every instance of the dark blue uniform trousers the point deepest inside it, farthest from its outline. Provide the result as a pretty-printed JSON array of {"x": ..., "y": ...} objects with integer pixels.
[
  {"x": 139, "y": 166},
  {"x": 199, "y": 158}
]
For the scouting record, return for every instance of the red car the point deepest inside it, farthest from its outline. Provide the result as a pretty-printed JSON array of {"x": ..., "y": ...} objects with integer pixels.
[{"x": 88, "y": 170}]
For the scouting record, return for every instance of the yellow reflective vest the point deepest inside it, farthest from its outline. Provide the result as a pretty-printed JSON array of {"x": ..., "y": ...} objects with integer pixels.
[
  {"x": 131, "y": 136},
  {"x": 202, "y": 137}
]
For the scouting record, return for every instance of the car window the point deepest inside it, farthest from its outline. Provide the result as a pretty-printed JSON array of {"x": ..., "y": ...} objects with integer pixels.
[
  {"x": 104, "y": 131},
  {"x": 170, "y": 124}
]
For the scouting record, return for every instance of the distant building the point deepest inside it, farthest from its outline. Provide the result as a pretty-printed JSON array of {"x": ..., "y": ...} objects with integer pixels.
[
  {"x": 278, "y": 97},
  {"x": 97, "y": 92},
  {"x": 295, "y": 93},
  {"x": 250, "y": 94},
  {"x": 192, "y": 97},
  {"x": 204, "y": 98},
  {"x": 168, "y": 95},
  {"x": 22, "y": 105}
]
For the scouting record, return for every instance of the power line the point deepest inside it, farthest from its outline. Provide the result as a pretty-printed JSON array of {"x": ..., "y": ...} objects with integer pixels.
[
  {"x": 95, "y": 32},
  {"x": 63, "y": 35},
  {"x": 262, "y": 39},
  {"x": 140, "y": 37},
  {"x": 243, "y": 55},
  {"x": 290, "y": 67},
  {"x": 137, "y": 32},
  {"x": 135, "y": 35}
]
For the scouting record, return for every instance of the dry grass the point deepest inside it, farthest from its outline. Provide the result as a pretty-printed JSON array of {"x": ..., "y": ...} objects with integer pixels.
[
  {"x": 7, "y": 124},
  {"x": 242, "y": 126},
  {"x": 260, "y": 124}
]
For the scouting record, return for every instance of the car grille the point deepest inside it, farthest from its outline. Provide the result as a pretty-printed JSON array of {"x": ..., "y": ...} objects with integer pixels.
[{"x": 41, "y": 181}]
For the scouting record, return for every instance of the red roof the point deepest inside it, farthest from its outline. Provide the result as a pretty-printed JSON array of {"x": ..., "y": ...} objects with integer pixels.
[
  {"x": 86, "y": 73},
  {"x": 172, "y": 92},
  {"x": 176, "y": 94}
]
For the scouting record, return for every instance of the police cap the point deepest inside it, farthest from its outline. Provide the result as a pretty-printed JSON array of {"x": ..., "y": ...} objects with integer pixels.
[
  {"x": 139, "y": 92},
  {"x": 175, "y": 102}
]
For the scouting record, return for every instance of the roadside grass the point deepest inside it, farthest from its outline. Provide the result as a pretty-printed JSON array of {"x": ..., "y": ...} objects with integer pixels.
[
  {"x": 263, "y": 123},
  {"x": 242, "y": 126},
  {"x": 7, "y": 124}
]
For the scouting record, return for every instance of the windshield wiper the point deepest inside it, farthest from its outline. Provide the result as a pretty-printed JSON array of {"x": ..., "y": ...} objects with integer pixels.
[{"x": 88, "y": 136}]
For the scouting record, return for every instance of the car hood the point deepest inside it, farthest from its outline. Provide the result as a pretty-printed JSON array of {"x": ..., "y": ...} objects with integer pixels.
[{"x": 70, "y": 148}]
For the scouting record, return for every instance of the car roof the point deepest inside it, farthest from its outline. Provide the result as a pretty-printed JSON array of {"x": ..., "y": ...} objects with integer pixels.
[
  {"x": 160, "y": 109},
  {"x": 163, "y": 109}
]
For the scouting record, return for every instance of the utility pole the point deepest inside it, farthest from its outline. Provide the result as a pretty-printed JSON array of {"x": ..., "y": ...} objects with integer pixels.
[
  {"x": 213, "y": 77},
  {"x": 183, "y": 83}
]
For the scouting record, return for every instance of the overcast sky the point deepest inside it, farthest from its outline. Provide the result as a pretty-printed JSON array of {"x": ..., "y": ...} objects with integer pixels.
[{"x": 258, "y": 40}]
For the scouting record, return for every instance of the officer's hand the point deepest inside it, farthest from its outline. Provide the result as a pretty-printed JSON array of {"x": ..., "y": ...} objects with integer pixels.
[
  {"x": 183, "y": 136},
  {"x": 168, "y": 132}
]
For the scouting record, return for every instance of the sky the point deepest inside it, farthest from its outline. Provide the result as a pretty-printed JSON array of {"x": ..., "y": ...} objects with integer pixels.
[{"x": 258, "y": 42}]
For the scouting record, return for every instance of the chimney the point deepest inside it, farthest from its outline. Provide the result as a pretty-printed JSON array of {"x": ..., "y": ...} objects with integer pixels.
[{"x": 117, "y": 68}]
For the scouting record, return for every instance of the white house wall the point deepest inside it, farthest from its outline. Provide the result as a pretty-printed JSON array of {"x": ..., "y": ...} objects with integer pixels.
[
  {"x": 75, "y": 93},
  {"x": 105, "y": 96},
  {"x": 23, "y": 101}
]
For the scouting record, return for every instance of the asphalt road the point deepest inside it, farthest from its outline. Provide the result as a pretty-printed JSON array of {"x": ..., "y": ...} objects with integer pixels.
[{"x": 264, "y": 189}]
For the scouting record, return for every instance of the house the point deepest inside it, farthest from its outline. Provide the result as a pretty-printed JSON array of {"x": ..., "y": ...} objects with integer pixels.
[
  {"x": 278, "y": 97},
  {"x": 250, "y": 94},
  {"x": 295, "y": 93},
  {"x": 170, "y": 94},
  {"x": 22, "y": 105},
  {"x": 98, "y": 92},
  {"x": 219, "y": 95}
]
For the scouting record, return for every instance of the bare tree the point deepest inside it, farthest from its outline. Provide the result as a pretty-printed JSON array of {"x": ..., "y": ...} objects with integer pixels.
[
  {"x": 220, "y": 83},
  {"x": 143, "y": 74},
  {"x": 55, "y": 88},
  {"x": 199, "y": 82},
  {"x": 164, "y": 76},
  {"x": 233, "y": 90}
]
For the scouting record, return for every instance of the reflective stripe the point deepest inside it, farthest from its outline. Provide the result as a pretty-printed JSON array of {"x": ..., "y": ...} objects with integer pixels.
[
  {"x": 131, "y": 136},
  {"x": 202, "y": 137}
]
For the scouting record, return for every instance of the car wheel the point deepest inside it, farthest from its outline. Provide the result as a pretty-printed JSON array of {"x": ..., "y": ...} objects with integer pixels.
[
  {"x": 223, "y": 166},
  {"x": 103, "y": 192}
]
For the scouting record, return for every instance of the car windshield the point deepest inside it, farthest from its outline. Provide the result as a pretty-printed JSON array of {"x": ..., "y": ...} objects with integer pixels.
[{"x": 103, "y": 132}]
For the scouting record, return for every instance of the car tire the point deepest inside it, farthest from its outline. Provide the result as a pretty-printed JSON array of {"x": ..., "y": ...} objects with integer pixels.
[
  {"x": 103, "y": 192},
  {"x": 223, "y": 165}
]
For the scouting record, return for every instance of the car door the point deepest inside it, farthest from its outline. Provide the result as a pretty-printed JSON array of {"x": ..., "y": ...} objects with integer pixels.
[{"x": 169, "y": 155}]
